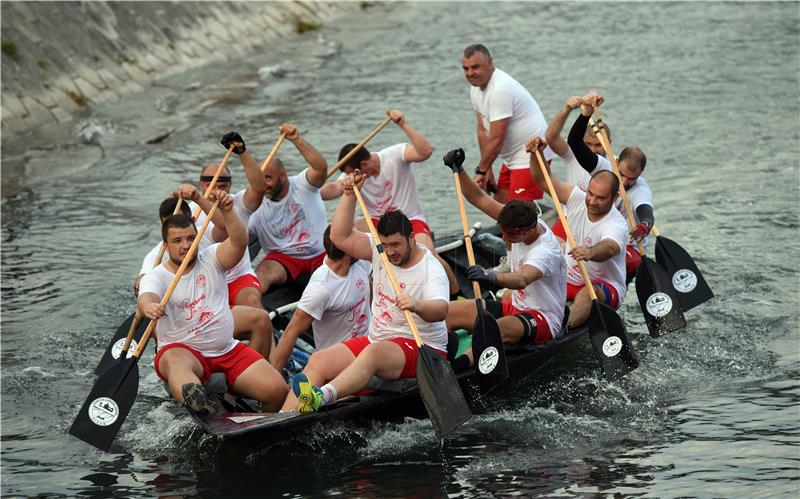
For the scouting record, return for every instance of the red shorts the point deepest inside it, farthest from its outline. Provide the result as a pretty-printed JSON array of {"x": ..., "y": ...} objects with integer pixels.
[
  {"x": 238, "y": 284},
  {"x": 609, "y": 297},
  {"x": 632, "y": 259},
  {"x": 418, "y": 226},
  {"x": 542, "y": 327},
  {"x": 519, "y": 183},
  {"x": 233, "y": 363},
  {"x": 295, "y": 266},
  {"x": 558, "y": 230},
  {"x": 410, "y": 350}
]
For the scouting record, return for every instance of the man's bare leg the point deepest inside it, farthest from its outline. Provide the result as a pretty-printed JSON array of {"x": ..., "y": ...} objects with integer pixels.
[
  {"x": 271, "y": 273},
  {"x": 253, "y": 324},
  {"x": 262, "y": 382},
  {"x": 322, "y": 367},
  {"x": 582, "y": 306}
]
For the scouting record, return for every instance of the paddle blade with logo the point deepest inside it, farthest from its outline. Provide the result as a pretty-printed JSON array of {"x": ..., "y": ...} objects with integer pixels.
[
  {"x": 683, "y": 272},
  {"x": 487, "y": 346},
  {"x": 611, "y": 342},
  {"x": 108, "y": 404},
  {"x": 659, "y": 300},
  {"x": 114, "y": 348},
  {"x": 440, "y": 392}
]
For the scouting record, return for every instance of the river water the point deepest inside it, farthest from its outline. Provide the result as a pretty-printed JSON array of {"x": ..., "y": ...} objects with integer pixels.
[{"x": 708, "y": 90}]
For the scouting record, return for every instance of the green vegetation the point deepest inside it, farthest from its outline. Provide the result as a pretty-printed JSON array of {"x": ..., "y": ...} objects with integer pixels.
[
  {"x": 302, "y": 26},
  {"x": 367, "y": 5},
  {"x": 41, "y": 63},
  {"x": 9, "y": 48},
  {"x": 126, "y": 59}
]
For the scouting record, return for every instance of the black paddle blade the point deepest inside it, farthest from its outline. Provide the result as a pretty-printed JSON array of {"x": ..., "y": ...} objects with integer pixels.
[
  {"x": 658, "y": 299},
  {"x": 108, "y": 404},
  {"x": 487, "y": 346},
  {"x": 114, "y": 347},
  {"x": 440, "y": 392},
  {"x": 683, "y": 272},
  {"x": 610, "y": 341}
]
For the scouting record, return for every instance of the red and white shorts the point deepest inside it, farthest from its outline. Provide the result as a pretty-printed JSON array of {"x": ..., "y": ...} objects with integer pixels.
[
  {"x": 238, "y": 284},
  {"x": 417, "y": 226},
  {"x": 295, "y": 266},
  {"x": 233, "y": 363},
  {"x": 519, "y": 183},
  {"x": 610, "y": 296},
  {"x": 505, "y": 308},
  {"x": 409, "y": 346}
]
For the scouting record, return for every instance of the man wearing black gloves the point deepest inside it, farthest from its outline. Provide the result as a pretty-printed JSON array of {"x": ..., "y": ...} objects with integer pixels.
[{"x": 538, "y": 277}]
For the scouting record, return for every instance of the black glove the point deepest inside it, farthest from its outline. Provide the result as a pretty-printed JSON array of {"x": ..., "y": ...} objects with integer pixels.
[
  {"x": 454, "y": 159},
  {"x": 231, "y": 137},
  {"x": 480, "y": 274}
]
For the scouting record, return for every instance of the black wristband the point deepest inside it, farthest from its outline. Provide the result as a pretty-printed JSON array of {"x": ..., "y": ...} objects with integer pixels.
[{"x": 478, "y": 170}]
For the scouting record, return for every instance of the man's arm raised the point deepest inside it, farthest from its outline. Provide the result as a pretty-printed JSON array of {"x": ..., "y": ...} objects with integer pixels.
[
  {"x": 317, "y": 173},
  {"x": 474, "y": 194},
  {"x": 584, "y": 155},
  {"x": 353, "y": 242},
  {"x": 231, "y": 251},
  {"x": 254, "y": 194},
  {"x": 419, "y": 149},
  {"x": 553, "y": 133},
  {"x": 563, "y": 189}
]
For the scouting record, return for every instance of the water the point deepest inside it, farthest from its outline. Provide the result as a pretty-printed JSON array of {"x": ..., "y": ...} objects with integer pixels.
[{"x": 708, "y": 90}]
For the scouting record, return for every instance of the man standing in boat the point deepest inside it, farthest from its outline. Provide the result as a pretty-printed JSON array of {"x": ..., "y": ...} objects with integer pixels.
[
  {"x": 507, "y": 116},
  {"x": 538, "y": 276},
  {"x": 389, "y": 350},
  {"x": 600, "y": 232},
  {"x": 391, "y": 184},
  {"x": 336, "y": 301},
  {"x": 290, "y": 218},
  {"x": 195, "y": 328}
]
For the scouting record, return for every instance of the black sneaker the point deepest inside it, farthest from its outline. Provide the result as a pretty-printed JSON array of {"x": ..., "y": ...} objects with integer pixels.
[{"x": 197, "y": 401}]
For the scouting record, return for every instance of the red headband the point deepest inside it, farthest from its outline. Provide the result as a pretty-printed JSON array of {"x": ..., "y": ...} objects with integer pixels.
[{"x": 513, "y": 231}]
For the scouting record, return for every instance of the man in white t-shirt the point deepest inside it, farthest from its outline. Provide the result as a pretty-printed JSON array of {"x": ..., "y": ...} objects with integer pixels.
[
  {"x": 389, "y": 350},
  {"x": 600, "y": 233},
  {"x": 291, "y": 217},
  {"x": 538, "y": 276},
  {"x": 391, "y": 184},
  {"x": 335, "y": 301},
  {"x": 631, "y": 163},
  {"x": 507, "y": 116},
  {"x": 195, "y": 327}
]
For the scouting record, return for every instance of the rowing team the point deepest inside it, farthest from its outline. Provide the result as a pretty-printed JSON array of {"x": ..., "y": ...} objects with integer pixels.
[{"x": 361, "y": 332}]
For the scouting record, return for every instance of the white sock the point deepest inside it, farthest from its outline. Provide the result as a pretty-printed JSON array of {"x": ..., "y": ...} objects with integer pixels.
[{"x": 328, "y": 394}]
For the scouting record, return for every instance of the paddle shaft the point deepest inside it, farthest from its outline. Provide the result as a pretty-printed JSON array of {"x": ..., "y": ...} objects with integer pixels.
[
  {"x": 358, "y": 146},
  {"x": 476, "y": 288},
  {"x": 564, "y": 223},
  {"x": 273, "y": 152},
  {"x": 387, "y": 264},
  {"x": 213, "y": 182},
  {"x": 603, "y": 138},
  {"x": 176, "y": 279}
]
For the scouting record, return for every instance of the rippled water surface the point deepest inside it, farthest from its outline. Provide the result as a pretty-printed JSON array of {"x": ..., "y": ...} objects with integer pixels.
[{"x": 709, "y": 91}]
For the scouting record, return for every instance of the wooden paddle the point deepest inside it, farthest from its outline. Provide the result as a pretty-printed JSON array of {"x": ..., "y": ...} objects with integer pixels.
[
  {"x": 114, "y": 392},
  {"x": 606, "y": 330},
  {"x": 333, "y": 169},
  {"x": 658, "y": 300},
  {"x": 134, "y": 333},
  {"x": 273, "y": 152},
  {"x": 438, "y": 385},
  {"x": 487, "y": 344},
  {"x": 686, "y": 278}
]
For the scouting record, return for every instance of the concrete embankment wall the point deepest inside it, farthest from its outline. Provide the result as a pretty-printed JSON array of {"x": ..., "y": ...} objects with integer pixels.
[{"x": 59, "y": 57}]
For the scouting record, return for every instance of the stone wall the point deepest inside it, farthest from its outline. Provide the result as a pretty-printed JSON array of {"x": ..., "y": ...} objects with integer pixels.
[{"x": 59, "y": 57}]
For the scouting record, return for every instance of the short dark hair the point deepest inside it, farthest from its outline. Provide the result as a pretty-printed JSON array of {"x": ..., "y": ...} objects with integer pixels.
[
  {"x": 393, "y": 222},
  {"x": 612, "y": 179},
  {"x": 518, "y": 213},
  {"x": 355, "y": 161},
  {"x": 477, "y": 47},
  {"x": 167, "y": 208},
  {"x": 333, "y": 251},
  {"x": 179, "y": 221},
  {"x": 634, "y": 156}
]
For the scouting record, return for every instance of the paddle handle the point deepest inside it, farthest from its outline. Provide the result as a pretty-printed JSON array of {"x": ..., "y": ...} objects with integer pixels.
[
  {"x": 476, "y": 288},
  {"x": 655, "y": 232},
  {"x": 160, "y": 255},
  {"x": 564, "y": 223},
  {"x": 387, "y": 264},
  {"x": 177, "y": 278},
  {"x": 603, "y": 138},
  {"x": 333, "y": 169},
  {"x": 137, "y": 318},
  {"x": 273, "y": 152}
]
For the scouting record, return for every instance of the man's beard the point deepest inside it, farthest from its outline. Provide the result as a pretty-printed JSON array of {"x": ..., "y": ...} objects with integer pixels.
[
  {"x": 276, "y": 191},
  {"x": 178, "y": 262}
]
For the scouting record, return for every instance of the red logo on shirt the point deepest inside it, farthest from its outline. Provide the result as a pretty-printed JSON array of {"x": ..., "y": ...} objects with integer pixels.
[
  {"x": 201, "y": 281},
  {"x": 293, "y": 207},
  {"x": 587, "y": 241},
  {"x": 361, "y": 285},
  {"x": 190, "y": 307},
  {"x": 205, "y": 316},
  {"x": 304, "y": 236}
]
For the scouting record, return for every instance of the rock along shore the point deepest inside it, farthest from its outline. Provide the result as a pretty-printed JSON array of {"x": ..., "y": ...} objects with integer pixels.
[{"x": 61, "y": 57}]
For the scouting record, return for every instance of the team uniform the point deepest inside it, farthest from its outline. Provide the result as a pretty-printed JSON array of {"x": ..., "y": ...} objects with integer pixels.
[
  {"x": 394, "y": 188},
  {"x": 198, "y": 318},
  {"x": 543, "y": 300},
  {"x": 339, "y": 305},
  {"x": 426, "y": 280},
  {"x": 502, "y": 98},
  {"x": 290, "y": 230},
  {"x": 610, "y": 274}
]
